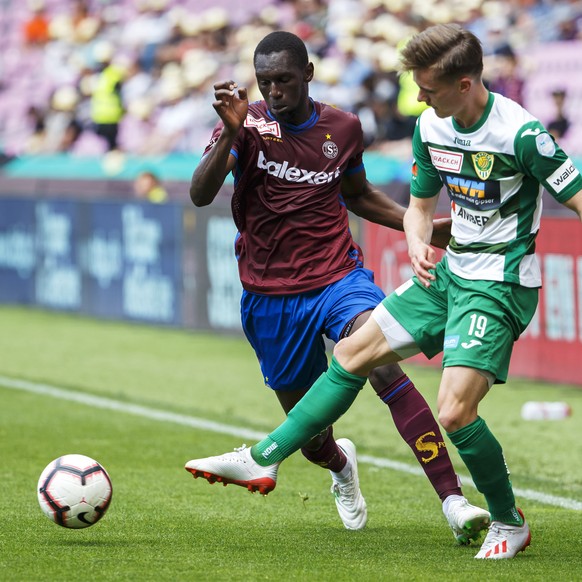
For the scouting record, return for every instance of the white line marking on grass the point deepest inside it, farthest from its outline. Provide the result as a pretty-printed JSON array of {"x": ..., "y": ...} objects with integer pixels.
[
  {"x": 240, "y": 432},
  {"x": 530, "y": 494},
  {"x": 127, "y": 407}
]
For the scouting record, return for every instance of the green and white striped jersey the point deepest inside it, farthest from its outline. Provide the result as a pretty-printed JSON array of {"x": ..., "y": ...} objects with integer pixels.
[{"x": 493, "y": 173}]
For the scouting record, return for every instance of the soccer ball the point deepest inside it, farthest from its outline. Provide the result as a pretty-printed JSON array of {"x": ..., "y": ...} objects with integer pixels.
[{"x": 74, "y": 491}]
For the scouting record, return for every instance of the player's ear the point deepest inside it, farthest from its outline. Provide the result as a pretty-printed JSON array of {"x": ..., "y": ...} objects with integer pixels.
[
  {"x": 308, "y": 73},
  {"x": 465, "y": 84}
]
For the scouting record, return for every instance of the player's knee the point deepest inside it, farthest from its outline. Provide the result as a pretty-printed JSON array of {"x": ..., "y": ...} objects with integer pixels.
[
  {"x": 344, "y": 352},
  {"x": 447, "y": 421},
  {"x": 454, "y": 417}
]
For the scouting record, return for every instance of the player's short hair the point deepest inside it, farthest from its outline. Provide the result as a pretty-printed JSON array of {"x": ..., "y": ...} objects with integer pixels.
[
  {"x": 280, "y": 41},
  {"x": 448, "y": 49}
]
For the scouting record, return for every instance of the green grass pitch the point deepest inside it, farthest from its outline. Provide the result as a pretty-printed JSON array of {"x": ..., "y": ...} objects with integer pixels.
[{"x": 164, "y": 525}]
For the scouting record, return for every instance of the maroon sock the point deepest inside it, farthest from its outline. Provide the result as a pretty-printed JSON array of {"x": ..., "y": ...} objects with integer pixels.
[
  {"x": 417, "y": 426},
  {"x": 329, "y": 455}
]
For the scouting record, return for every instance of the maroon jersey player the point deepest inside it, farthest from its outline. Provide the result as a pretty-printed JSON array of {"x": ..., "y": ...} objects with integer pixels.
[
  {"x": 298, "y": 166},
  {"x": 293, "y": 226}
]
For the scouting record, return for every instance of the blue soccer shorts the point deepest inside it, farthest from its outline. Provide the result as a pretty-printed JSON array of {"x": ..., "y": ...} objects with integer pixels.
[{"x": 287, "y": 331}]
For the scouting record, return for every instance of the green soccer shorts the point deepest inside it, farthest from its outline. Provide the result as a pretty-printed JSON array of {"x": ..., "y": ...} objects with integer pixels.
[{"x": 474, "y": 323}]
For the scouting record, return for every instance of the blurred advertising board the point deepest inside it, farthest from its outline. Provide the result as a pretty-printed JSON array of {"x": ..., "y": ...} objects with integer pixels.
[{"x": 164, "y": 264}]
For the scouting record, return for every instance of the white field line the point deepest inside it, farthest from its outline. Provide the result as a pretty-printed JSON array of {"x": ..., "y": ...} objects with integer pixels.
[{"x": 241, "y": 432}]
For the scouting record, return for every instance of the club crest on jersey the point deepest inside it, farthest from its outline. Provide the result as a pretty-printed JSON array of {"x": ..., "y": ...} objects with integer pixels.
[
  {"x": 329, "y": 149},
  {"x": 483, "y": 164},
  {"x": 263, "y": 126}
]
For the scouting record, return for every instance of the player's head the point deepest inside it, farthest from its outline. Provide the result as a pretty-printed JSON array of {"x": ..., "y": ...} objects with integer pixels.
[
  {"x": 448, "y": 49},
  {"x": 283, "y": 73},
  {"x": 280, "y": 41},
  {"x": 446, "y": 62}
]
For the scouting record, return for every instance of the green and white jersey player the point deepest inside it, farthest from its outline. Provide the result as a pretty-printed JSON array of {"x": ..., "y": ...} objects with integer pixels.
[
  {"x": 494, "y": 158},
  {"x": 493, "y": 173}
]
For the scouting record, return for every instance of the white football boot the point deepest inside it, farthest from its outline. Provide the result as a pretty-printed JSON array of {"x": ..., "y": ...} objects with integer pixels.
[
  {"x": 504, "y": 540},
  {"x": 349, "y": 501},
  {"x": 466, "y": 521},
  {"x": 237, "y": 468}
]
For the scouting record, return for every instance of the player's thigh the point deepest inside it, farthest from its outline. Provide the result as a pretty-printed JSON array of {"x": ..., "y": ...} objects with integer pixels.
[
  {"x": 365, "y": 349},
  {"x": 343, "y": 302},
  {"x": 285, "y": 333},
  {"x": 485, "y": 320},
  {"x": 422, "y": 312}
]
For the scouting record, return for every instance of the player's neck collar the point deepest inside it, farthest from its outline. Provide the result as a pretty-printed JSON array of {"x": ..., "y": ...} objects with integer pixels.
[{"x": 291, "y": 128}]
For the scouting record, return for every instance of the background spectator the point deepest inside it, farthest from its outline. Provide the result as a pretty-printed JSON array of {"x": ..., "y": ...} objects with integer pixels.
[
  {"x": 353, "y": 43},
  {"x": 106, "y": 102},
  {"x": 559, "y": 125},
  {"x": 36, "y": 28},
  {"x": 504, "y": 75},
  {"x": 147, "y": 186}
]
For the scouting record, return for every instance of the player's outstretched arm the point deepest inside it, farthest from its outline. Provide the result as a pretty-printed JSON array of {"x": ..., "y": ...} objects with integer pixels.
[
  {"x": 367, "y": 201},
  {"x": 231, "y": 104}
]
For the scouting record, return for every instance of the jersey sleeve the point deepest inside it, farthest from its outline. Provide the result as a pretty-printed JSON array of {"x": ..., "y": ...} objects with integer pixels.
[
  {"x": 541, "y": 158},
  {"x": 356, "y": 162},
  {"x": 425, "y": 180},
  {"x": 213, "y": 138},
  {"x": 236, "y": 146}
]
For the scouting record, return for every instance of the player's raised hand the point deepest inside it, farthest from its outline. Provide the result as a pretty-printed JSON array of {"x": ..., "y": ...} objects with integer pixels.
[{"x": 231, "y": 104}]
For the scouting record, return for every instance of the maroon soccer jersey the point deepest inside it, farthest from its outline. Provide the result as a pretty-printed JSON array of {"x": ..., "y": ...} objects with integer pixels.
[{"x": 287, "y": 205}]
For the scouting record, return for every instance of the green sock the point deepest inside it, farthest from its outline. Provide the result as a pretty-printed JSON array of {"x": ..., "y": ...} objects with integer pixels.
[
  {"x": 329, "y": 397},
  {"x": 483, "y": 456}
]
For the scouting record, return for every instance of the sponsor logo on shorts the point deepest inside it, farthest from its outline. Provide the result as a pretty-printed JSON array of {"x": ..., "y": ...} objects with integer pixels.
[
  {"x": 471, "y": 344},
  {"x": 451, "y": 342},
  {"x": 445, "y": 160},
  {"x": 565, "y": 174}
]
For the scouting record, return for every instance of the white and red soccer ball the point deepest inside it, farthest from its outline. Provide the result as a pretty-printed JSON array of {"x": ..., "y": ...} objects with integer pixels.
[{"x": 74, "y": 491}]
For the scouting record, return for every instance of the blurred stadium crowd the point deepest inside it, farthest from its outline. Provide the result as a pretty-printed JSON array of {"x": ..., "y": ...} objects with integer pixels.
[{"x": 92, "y": 76}]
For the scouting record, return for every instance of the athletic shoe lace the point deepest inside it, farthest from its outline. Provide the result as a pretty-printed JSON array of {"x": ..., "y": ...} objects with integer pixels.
[{"x": 345, "y": 489}]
